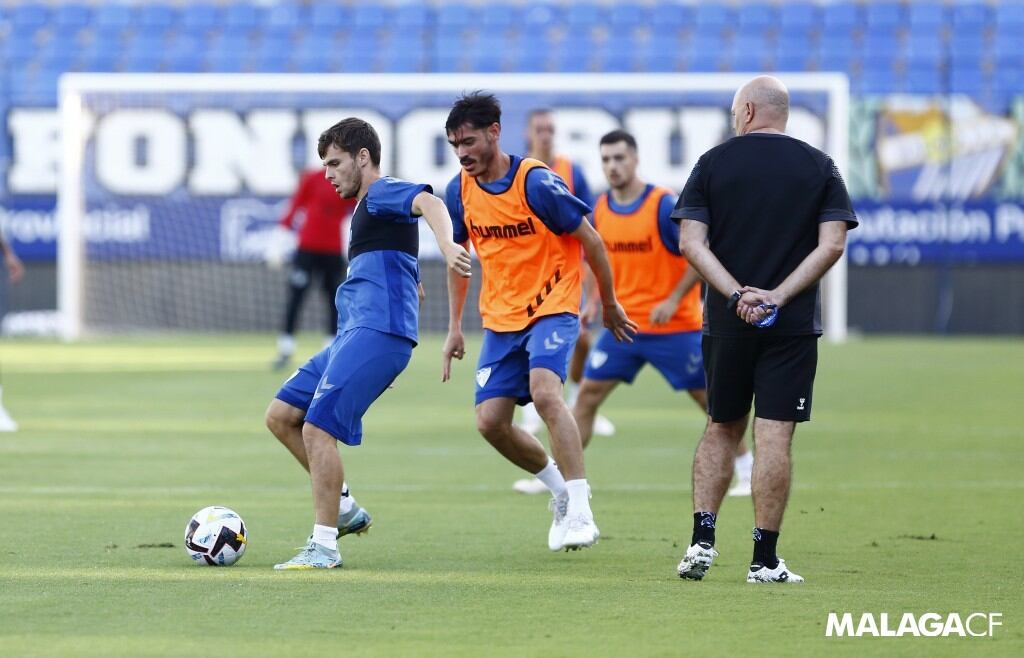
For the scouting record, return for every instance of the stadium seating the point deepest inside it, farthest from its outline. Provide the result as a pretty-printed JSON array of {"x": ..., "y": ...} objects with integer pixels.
[{"x": 920, "y": 46}]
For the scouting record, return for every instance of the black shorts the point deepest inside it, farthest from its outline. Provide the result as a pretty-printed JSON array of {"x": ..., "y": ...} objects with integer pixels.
[
  {"x": 776, "y": 372},
  {"x": 306, "y": 264}
]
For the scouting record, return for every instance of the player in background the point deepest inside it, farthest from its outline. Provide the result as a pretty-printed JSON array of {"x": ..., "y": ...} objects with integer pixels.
[
  {"x": 527, "y": 230},
  {"x": 15, "y": 271},
  {"x": 317, "y": 213},
  {"x": 323, "y": 402},
  {"x": 540, "y": 144}
]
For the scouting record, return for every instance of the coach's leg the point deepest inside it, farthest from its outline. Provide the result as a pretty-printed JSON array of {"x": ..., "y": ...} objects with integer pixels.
[
  {"x": 712, "y": 464},
  {"x": 325, "y": 472},
  {"x": 494, "y": 422},
  {"x": 772, "y": 471},
  {"x": 285, "y": 422},
  {"x": 566, "y": 447},
  {"x": 592, "y": 394}
]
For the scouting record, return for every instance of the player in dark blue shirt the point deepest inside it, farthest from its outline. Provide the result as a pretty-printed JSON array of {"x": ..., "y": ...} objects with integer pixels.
[{"x": 323, "y": 402}]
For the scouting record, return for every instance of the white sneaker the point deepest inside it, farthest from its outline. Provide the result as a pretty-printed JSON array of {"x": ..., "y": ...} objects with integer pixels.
[
  {"x": 7, "y": 424},
  {"x": 603, "y": 426},
  {"x": 559, "y": 508},
  {"x": 759, "y": 573},
  {"x": 530, "y": 486},
  {"x": 581, "y": 532},
  {"x": 697, "y": 561},
  {"x": 741, "y": 488},
  {"x": 531, "y": 420}
]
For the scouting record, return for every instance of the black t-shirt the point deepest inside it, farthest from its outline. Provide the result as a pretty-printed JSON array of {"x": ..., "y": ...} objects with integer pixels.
[{"x": 762, "y": 196}]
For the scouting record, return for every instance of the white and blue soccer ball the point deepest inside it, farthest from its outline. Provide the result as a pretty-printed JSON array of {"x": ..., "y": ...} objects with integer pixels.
[{"x": 216, "y": 536}]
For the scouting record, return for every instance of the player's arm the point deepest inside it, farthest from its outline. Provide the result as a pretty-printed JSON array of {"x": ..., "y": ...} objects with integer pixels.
[
  {"x": 454, "y": 342},
  {"x": 436, "y": 214},
  {"x": 664, "y": 311},
  {"x": 15, "y": 270},
  {"x": 615, "y": 318},
  {"x": 831, "y": 245}
]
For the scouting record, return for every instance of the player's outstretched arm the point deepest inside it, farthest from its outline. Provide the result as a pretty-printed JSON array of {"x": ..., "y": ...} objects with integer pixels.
[
  {"x": 436, "y": 213},
  {"x": 454, "y": 343},
  {"x": 615, "y": 318}
]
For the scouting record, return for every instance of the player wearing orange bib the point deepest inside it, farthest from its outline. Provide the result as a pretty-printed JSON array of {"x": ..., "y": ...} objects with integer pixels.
[
  {"x": 540, "y": 144},
  {"x": 655, "y": 285},
  {"x": 527, "y": 230}
]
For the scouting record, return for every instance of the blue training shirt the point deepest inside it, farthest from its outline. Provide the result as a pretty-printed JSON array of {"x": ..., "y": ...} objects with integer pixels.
[
  {"x": 546, "y": 193},
  {"x": 380, "y": 292}
]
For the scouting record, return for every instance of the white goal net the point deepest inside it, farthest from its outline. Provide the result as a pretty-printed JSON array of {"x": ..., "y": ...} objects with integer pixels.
[{"x": 171, "y": 184}]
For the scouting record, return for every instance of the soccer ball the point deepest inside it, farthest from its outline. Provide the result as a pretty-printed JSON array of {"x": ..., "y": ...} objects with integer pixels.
[{"x": 215, "y": 536}]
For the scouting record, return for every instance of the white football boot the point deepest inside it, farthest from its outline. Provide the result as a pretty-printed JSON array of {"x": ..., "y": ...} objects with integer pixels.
[
  {"x": 581, "y": 532},
  {"x": 559, "y": 508},
  {"x": 530, "y": 486},
  {"x": 760, "y": 573},
  {"x": 697, "y": 561}
]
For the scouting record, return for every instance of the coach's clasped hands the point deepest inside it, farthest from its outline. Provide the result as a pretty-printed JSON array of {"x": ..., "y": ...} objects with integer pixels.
[{"x": 756, "y": 304}]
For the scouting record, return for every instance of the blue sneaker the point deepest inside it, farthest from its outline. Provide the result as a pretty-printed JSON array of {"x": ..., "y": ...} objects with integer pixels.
[
  {"x": 313, "y": 556},
  {"x": 355, "y": 522}
]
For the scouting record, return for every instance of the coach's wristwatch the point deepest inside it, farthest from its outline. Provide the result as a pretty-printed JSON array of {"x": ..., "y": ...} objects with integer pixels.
[{"x": 731, "y": 304}]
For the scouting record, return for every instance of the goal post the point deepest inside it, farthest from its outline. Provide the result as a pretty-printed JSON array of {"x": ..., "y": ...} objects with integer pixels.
[{"x": 171, "y": 183}]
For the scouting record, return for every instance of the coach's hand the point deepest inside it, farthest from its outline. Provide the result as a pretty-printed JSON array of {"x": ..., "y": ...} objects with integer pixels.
[
  {"x": 616, "y": 321},
  {"x": 457, "y": 258},
  {"x": 749, "y": 307},
  {"x": 454, "y": 347}
]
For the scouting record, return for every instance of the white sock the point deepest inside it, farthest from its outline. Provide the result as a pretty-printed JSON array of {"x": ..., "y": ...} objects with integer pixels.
[
  {"x": 579, "y": 497},
  {"x": 286, "y": 345},
  {"x": 326, "y": 536},
  {"x": 573, "y": 390},
  {"x": 744, "y": 466},
  {"x": 530, "y": 413},
  {"x": 552, "y": 478}
]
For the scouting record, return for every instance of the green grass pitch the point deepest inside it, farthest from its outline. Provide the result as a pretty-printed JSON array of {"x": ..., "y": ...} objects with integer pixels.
[{"x": 907, "y": 497}]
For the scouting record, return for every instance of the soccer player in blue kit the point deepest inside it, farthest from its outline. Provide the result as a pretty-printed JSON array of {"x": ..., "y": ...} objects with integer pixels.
[{"x": 323, "y": 402}]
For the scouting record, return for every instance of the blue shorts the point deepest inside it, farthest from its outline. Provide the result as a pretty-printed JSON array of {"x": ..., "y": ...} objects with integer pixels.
[
  {"x": 339, "y": 384},
  {"x": 507, "y": 357},
  {"x": 676, "y": 356}
]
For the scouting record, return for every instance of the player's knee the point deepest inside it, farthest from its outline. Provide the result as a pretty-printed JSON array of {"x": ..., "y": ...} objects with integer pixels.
[
  {"x": 548, "y": 402},
  {"x": 491, "y": 425}
]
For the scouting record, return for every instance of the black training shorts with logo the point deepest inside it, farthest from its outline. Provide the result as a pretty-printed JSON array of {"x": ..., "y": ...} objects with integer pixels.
[{"x": 776, "y": 372}]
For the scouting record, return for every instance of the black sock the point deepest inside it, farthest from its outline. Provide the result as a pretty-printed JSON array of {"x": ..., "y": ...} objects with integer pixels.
[
  {"x": 703, "y": 528},
  {"x": 764, "y": 547}
]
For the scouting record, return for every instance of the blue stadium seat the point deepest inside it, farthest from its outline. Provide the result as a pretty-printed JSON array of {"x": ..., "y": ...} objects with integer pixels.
[
  {"x": 796, "y": 36},
  {"x": 1009, "y": 14},
  {"x": 157, "y": 15},
  {"x": 845, "y": 15},
  {"x": 585, "y": 15},
  {"x": 884, "y": 14},
  {"x": 672, "y": 16},
  {"x": 757, "y": 16},
  {"x": 413, "y": 15},
  {"x": 498, "y": 17},
  {"x": 628, "y": 15},
  {"x": 799, "y": 14},
  {"x": 371, "y": 16},
  {"x": 970, "y": 16},
  {"x": 969, "y": 81},
  {"x": 457, "y": 16},
  {"x": 927, "y": 14},
  {"x": 836, "y": 59},
  {"x": 703, "y": 62},
  {"x": 927, "y": 80},
  {"x": 244, "y": 16},
  {"x": 541, "y": 17},
  {"x": 1008, "y": 81},
  {"x": 29, "y": 15},
  {"x": 794, "y": 61},
  {"x": 328, "y": 16},
  {"x": 404, "y": 60},
  {"x": 532, "y": 61},
  {"x": 874, "y": 81},
  {"x": 72, "y": 15},
  {"x": 200, "y": 16},
  {"x": 99, "y": 62},
  {"x": 284, "y": 17},
  {"x": 1007, "y": 52},
  {"x": 925, "y": 48},
  {"x": 114, "y": 16},
  {"x": 712, "y": 17}
]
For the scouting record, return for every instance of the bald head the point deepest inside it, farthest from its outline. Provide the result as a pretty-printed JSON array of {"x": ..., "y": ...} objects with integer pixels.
[{"x": 761, "y": 104}]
